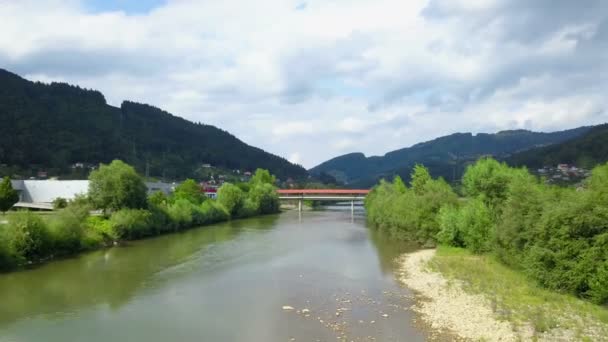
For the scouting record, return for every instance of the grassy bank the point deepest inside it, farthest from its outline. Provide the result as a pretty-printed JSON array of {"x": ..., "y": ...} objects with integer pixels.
[{"x": 517, "y": 299}]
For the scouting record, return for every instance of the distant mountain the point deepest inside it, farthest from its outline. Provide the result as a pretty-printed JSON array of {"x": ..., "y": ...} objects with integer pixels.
[
  {"x": 445, "y": 156},
  {"x": 587, "y": 151},
  {"x": 52, "y": 126}
]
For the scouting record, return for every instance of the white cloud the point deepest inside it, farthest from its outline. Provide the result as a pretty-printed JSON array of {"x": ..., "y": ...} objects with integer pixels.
[{"x": 333, "y": 77}]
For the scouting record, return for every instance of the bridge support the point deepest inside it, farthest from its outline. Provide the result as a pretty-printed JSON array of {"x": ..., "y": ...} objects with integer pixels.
[
  {"x": 300, "y": 205},
  {"x": 352, "y": 208}
]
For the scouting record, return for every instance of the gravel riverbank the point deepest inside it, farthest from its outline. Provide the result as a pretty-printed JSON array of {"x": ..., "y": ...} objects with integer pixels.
[{"x": 445, "y": 306}]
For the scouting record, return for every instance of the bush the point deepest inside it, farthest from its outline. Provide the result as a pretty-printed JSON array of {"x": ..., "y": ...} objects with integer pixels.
[
  {"x": 410, "y": 213},
  {"x": 190, "y": 191},
  {"x": 132, "y": 224},
  {"x": 231, "y": 197},
  {"x": 248, "y": 209},
  {"x": 214, "y": 212},
  {"x": 68, "y": 228},
  {"x": 264, "y": 199},
  {"x": 180, "y": 213},
  {"x": 98, "y": 230},
  {"x": 28, "y": 237},
  {"x": 60, "y": 203}
]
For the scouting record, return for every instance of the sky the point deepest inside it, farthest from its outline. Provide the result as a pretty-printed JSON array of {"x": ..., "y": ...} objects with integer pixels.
[{"x": 313, "y": 79}]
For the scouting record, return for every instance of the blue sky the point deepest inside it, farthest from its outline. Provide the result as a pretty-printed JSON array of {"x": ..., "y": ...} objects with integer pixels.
[
  {"x": 127, "y": 6},
  {"x": 313, "y": 79}
]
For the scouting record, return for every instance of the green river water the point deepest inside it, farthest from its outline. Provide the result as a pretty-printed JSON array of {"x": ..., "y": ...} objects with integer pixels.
[{"x": 226, "y": 282}]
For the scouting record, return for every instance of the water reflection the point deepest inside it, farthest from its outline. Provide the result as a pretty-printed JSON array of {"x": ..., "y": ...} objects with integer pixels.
[
  {"x": 220, "y": 283},
  {"x": 110, "y": 277}
]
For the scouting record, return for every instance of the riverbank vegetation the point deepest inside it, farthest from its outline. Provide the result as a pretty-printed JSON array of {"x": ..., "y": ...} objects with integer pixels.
[
  {"x": 127, "y": 213},
  {"x": 516, "y": 298},
  {"x": 556, "y": 237}
]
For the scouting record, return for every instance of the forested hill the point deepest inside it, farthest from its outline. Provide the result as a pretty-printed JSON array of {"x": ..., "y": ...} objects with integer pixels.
[
  {"x": 52, "y": 126},
  {"x": 587, "y": 151},
  {"x": 445, "y": 156}
]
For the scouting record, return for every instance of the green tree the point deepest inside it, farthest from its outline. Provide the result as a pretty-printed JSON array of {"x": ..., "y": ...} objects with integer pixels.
[
  {"x": 399, "y": 185},
  {"x": 231, "y": 197},
  {"x": 420, "y": 178},
  {"x": 262, "y": 176},
  {"x": 116, "y": 186},
  {"x": 8, "y": 195},
  {"x": 190, "y": 191},
  {"x": 264, "y": 198}
]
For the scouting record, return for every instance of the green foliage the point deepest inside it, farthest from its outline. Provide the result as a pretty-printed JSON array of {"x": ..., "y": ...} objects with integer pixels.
[
  {"x": 68, "y": 228},
  {"x": 231, "y": 197},
  {"x": 214, "y": 212},
  {"x": 264, "y": 198},
  {"x": 470, "y": 226},
  {"x": 557, "y": 236},
  {"x": 420, "y": 179},
  {"x": 130, "y": 224},
  {"x": 60, "y": 203},
  {"x": 180, "y": 213},
  {"x": 157, "y": 198},
  {"x": 55, "y": 125},
  {"x": 410, "y": 214},
  {"x": 262, "y": 176},
  {"x": 99, "y": 231},
  {"x": 8, "y": 195},
  {"x": 28, "y": 237},
  {"x": 190, "y": 191},
  {"x": 117, "y": 186},
  {"x": 487, "y": 178},
  {"x": 400, "y": 187}
]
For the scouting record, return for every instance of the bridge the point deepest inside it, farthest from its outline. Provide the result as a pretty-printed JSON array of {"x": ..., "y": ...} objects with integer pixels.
[{"x": 351, "y": 195}]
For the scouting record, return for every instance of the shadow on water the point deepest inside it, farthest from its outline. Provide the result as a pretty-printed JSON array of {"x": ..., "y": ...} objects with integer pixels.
[
  {"x": 387, "y": 248},
  {"x": 110, "y": 277}
]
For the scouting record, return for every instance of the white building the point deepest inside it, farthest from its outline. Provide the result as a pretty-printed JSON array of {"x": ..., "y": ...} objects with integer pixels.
[{"x": 41, "y": 193}]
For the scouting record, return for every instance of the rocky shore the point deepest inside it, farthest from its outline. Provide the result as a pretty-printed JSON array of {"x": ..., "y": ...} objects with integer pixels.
[{"x": 444, "y": 305}]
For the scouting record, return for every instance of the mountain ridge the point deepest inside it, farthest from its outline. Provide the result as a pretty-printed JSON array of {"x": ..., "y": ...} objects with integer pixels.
[
  {"x": 52, "y": 126},
  {"x": 446, "y": 156}
]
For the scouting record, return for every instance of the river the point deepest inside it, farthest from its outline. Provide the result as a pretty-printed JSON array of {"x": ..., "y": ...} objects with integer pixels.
[{"x": 226, "y": 282}]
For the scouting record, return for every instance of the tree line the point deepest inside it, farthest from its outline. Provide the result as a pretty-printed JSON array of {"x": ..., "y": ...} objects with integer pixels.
[
  {"x": 119, "y": 193},
  {"x": 558, "y": 236},
  {"x": 51, "y": 127}
]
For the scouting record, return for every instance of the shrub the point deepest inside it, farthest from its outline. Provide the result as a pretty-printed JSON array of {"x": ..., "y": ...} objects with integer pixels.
[
  {"x": 190, "y": 191},
  {"x": 214, "y": 212},
  {"x": 231, "y": 197},
  {"x": 450, "y": 232},
  {"x": 99, "y": 229},
  {"x": 60, "y": 203},
  {"x": 28, "y": 237},
  {"x": 131, "y": 224},
  {"x": 180, "y": 213},
  {"x": 477, "y": 226},
  {"x": 410, "y": 213},
  {"x": 264, "y": 199},
  {"x": 248, "y": 209},
  {"x": 67, "y": 229}
]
